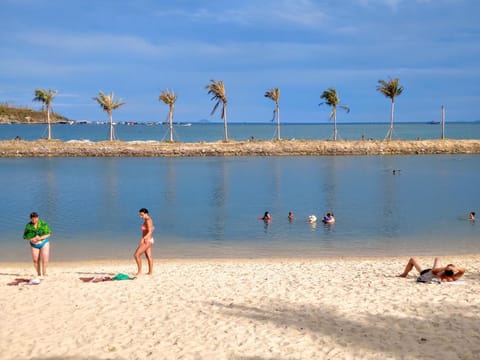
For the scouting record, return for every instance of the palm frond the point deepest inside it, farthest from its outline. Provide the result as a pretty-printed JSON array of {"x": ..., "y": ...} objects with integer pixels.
[
  {"x": 168, "y": 97},
  {"x": 274, "y": 114},
  {"x": 215, "y": 107},
  {"x": 390, "y": 88},
  {"x": 331, "y": 97},
  {"x": 331, "y": 115},
  {"x": 45, "y": 96},
  {"x": 273, "y": 94},
  {"x": 217, "y": 90},
  {"x": 107, "y": 101}
]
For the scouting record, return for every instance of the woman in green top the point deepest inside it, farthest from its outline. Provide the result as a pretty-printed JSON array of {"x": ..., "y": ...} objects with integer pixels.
[{"x": 38, "y": 233}]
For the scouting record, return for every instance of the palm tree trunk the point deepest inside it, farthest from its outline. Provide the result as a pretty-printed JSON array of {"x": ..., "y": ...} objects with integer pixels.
[
  {"x": 390, "y": 130},
  {"x": 170, "y": 117},
  {"x": 278, "y": 123},
  {"x": 49, "y": 125},
  {"x": 225, "y": 122},
  {"x": 335, "y": 124},
  {"x": 111, "y": 126}
]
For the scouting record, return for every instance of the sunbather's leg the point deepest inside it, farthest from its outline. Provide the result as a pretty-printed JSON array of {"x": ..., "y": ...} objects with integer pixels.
[
  {"x": 142, "y": 248},
  {"x": 148, "y": 254},
  {"x": 410, "y": 265}
]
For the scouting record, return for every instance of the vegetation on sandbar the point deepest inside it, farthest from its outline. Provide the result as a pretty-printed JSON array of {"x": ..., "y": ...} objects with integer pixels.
[{"x": 24, "y": 115}]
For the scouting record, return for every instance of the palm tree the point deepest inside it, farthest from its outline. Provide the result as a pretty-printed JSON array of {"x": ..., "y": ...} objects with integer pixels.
[
  {"x": 274, "y": 94},
  {"x": 217, "y": 89},
  {"x": 108, "y": 104},
  {"x": 331, "y": 99},
  {"x": 390, "y": 89},
  {"x": 169, "y": 98},
  {"x": 46, "y": 97}
]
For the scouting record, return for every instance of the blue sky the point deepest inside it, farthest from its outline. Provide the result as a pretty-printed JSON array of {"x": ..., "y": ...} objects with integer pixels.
[{"x": 138, "y": 48}]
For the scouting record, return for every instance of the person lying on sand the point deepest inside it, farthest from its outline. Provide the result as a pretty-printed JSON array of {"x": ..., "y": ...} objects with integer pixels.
[{"x": 444, "y": 274}]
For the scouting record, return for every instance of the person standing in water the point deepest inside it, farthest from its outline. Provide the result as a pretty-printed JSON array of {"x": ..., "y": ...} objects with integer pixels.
[
  {"x": 328, "y": 218},
  {"x": 38, "y": 233},
  {"x": 146, "y": 242},
  {"x": 267, "y": 217}
]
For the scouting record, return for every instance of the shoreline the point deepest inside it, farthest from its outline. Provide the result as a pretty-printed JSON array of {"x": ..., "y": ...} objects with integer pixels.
[
  {"x": 291, "y": 308},
  {"x": 25, "y": 260},
  {"x": 70, "y": 253},
  {"x": 85, "y": 148},
  {"x": 264, "y": 259}
]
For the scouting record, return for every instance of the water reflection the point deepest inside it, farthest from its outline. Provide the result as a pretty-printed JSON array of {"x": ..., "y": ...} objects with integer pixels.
[
  {"x": 330, "y": 186},
  {"x": 167, "y": 220},
  {"x": 218, "y": 198},
  {"x": 49, "y": 192},
  {"x": 109, "y": 190},
  {"x": 205, "y": 201},
  {"x": 170, "y": 194},
  {"x": 391, "y": 213}
]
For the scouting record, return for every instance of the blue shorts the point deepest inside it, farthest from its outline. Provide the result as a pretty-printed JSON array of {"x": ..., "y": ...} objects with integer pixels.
[{"x": 40, "y": 244}]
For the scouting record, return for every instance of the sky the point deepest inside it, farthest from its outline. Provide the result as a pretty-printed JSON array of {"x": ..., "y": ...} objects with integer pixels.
[{"x": 137, "y": 49}]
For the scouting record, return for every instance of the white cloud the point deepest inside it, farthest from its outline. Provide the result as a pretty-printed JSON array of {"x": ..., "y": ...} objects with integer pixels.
[
  {"x": 392, "y": 4},
  {"x": 27, "y": 68},
  {"x": 389, "y": 3},
  {"x": 98, "y": 43},
  {"x": 295, "y": 12}
]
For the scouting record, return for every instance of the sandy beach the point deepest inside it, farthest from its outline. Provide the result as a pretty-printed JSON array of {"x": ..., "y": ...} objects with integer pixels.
[
  {"x": 334, "y": 308},
  {"x": 82, "y": 148}
]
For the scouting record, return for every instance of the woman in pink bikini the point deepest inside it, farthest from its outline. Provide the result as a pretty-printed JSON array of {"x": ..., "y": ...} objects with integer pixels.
[{"x": 145, "y": 243}]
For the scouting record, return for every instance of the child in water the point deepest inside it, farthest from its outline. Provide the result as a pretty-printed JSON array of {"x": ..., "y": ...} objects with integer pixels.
[{"x": 329, "y": 218}]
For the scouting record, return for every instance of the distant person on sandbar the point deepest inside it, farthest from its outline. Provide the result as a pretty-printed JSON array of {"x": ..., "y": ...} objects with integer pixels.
[
  {"x": 266, "y": 217},
  {"x": 312, "y": 219},
  {"x": 448, "y": 273},
  {"x": 328, "y": 218},
  {"x": 471, "y": 216},
  {"x": 146, "y": 242},
  {"x": 37, "y": 232},
  {"x": 290, "y": 216}
]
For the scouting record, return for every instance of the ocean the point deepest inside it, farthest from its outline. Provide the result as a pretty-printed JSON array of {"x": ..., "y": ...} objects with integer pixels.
[
  {"x": 209, "y": 207},
  {"x": 196, "y": 132}
]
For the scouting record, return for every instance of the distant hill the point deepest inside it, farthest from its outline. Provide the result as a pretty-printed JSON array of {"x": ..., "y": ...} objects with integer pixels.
[{"x": 25, "y": 115}]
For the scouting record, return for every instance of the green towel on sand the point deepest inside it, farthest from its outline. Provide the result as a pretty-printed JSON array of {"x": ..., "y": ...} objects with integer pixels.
[{"x": 121, "y": 276}]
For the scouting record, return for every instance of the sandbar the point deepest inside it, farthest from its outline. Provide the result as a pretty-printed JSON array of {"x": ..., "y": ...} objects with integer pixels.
[{"x": 85, "y": 148}]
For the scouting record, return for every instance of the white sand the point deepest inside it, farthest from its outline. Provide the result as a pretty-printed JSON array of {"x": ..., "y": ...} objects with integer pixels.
[{"x": 343, "y": 308}]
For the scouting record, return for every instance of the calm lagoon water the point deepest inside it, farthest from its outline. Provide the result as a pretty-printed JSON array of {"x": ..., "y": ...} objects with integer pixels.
[{"x": 209, "y": 207}]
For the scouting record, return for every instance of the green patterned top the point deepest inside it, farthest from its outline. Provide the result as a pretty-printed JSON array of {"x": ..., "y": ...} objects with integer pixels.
[{"x": 30, "y": 231}]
